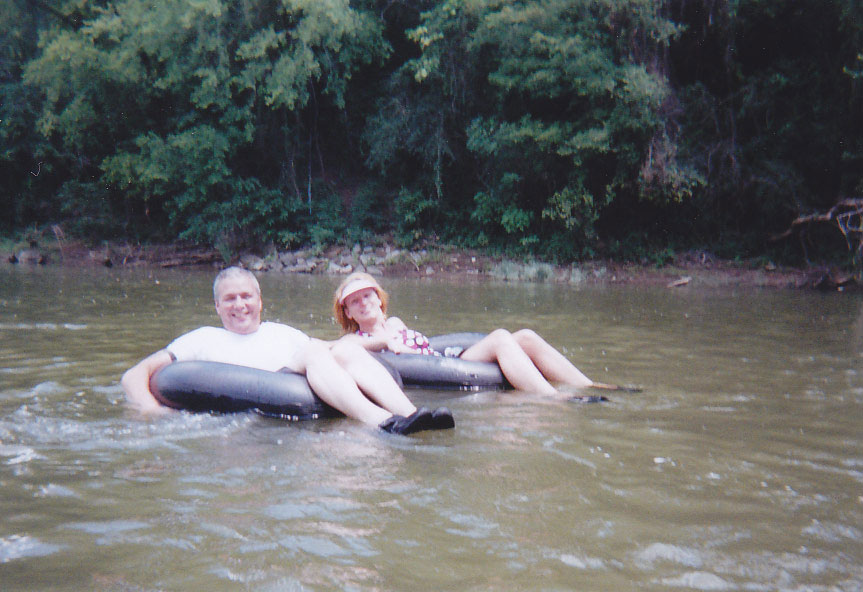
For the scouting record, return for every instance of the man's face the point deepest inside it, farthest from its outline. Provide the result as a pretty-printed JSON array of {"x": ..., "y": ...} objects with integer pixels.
[{"x": 239, "y": 305}]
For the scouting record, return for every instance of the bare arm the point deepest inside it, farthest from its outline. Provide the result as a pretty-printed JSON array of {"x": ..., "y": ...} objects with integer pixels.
[
  {"x": 395, "y": 326},
  {"x": 387, "y": 338},
  {"x": 370, "y": 343},
  {"x": 136, "y": 380}
]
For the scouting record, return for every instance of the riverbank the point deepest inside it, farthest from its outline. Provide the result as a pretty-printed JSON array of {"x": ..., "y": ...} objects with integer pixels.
[{"x": 686, "y": 269}]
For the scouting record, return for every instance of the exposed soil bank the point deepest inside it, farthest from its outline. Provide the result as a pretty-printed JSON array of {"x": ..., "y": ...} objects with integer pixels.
[{"x": 688, "y": 269}]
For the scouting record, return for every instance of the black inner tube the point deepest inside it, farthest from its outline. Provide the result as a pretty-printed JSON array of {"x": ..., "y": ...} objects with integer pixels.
[
  {"x": 227, "y": 388},
  {"x": 447, "y": 372}
]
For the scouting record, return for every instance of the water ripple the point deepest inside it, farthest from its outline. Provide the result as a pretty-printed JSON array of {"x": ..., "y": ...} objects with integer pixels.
[
  {"x": 41, "y": 326},
  {"x": 672, "y": 553},
  {"x": 699, "y": 580},
  {"x": 19, "y": 454},
  {"x": 21, "y": 546}
]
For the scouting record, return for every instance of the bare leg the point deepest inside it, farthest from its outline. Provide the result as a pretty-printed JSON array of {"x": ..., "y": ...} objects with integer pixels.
[
  {"x": 553, "y": 364},
  {"x": 372, "y": 378},
  {"x": 500, "y": 346},
  {"x": 336, "y": 387}
]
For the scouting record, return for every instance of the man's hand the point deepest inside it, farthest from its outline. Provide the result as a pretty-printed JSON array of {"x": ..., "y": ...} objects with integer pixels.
[{"x": 136, "y": 382}]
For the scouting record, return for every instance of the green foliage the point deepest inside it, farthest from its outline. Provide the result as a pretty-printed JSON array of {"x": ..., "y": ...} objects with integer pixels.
[
  {"x": 174, "y": 107},
  {"x": 414, "y": 213},
  {"x": 25, "y": 158},
  {"x": 642, "y": 248},
  {"x": 771, "y": 118},
  {"x": 547, "y": 99},
  {"x": 324, "y": 220},
  {"x": 89, "y": 210},
  {"x": 554, "y": 128},
  {"x": 370, "y": 213}
]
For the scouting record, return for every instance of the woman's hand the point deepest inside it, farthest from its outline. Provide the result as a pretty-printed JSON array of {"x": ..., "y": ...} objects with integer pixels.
[
  {"x": 380, "y": 341},
  {"x": 396, "y": 344},
  {"x": 393, "y": 335}
]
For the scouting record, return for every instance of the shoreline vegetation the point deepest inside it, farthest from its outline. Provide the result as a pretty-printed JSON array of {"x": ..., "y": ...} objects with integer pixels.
[
  {"x": 564, "y": 130},
  {"x": 691, "y": 268}
]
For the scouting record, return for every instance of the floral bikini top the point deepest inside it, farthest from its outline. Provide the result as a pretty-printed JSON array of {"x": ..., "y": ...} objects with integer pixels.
[{"x": 414, "y": 340}]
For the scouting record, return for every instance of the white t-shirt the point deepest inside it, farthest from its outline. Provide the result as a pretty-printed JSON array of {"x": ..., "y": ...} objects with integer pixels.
[{"x": 272, "y": 347}]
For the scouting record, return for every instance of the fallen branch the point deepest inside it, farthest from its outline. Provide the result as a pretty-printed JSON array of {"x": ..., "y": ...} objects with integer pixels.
[
  {"x": 842, "y": 214},
  {"x": 681, "y": 282},
  {"x": 846, "y": 214}
]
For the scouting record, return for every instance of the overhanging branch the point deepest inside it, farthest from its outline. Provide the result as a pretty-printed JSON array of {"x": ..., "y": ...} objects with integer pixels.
[{"x": 846, "y": 215}]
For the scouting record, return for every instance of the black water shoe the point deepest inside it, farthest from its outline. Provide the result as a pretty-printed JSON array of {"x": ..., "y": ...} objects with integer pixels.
[
  {"x": 442, "y": 419},
  {"x": 588, "y": 399},
  {"x": 419, "y": 420},
  {"x": 392, "y": 424}
]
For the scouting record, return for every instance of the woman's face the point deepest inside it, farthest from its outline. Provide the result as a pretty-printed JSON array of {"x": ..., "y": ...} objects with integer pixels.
[{"x": 363, "y": 306}]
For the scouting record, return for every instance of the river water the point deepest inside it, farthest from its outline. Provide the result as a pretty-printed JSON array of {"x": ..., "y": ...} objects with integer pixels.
[{"x": 739, "y": 466}]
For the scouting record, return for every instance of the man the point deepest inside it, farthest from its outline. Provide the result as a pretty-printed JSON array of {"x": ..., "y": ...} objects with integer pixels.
[{"x": 343, "y": 375}]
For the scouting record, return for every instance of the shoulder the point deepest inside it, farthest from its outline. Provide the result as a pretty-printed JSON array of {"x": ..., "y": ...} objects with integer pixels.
[
  {"x": 207, "y": 331},
  {"x": 196, "y": 343},
  {"x": 395, "y": 323},
  {"x": 201, "y": 333},
  {"x": 270, "y": 328}
]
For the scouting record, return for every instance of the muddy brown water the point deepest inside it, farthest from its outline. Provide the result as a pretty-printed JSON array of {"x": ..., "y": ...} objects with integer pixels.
[{"x": 739, "y": 467}]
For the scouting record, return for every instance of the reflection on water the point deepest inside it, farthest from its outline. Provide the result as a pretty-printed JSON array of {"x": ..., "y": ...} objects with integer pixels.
[{"x": 738, "y": 468}]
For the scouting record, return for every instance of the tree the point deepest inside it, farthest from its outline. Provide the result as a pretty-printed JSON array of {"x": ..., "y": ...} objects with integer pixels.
[
  {"x": 772, "y": 119},
  {"x": 200, "y": 115},
  {"x": 25, "y": 157},
  {"x": 560, "y": 128},
  {"x": 556, "y": 104}
]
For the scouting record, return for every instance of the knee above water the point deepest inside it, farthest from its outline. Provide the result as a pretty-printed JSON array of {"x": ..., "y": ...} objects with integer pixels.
[
  {"x": 501, "y": 335},
  {"x": 344, "y": 351},
  {"x": 527, "y": 336}
]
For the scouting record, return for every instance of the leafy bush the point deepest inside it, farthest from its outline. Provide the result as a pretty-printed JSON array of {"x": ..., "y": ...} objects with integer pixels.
[{"x": 556, "y": 128}]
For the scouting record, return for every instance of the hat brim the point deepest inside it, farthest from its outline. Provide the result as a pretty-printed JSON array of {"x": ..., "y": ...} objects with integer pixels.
[{"x": 354, "y": 287}]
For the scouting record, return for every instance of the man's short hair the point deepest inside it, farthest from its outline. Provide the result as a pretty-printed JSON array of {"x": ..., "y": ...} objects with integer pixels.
[{"x": 234, "y": 272}]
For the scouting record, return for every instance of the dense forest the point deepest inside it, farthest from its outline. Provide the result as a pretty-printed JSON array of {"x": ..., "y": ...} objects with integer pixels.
[{"x": 561, "y": 129}]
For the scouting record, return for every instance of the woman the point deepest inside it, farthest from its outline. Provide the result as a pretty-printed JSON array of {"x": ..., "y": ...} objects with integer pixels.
[{"x": 527, "y": 361}]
